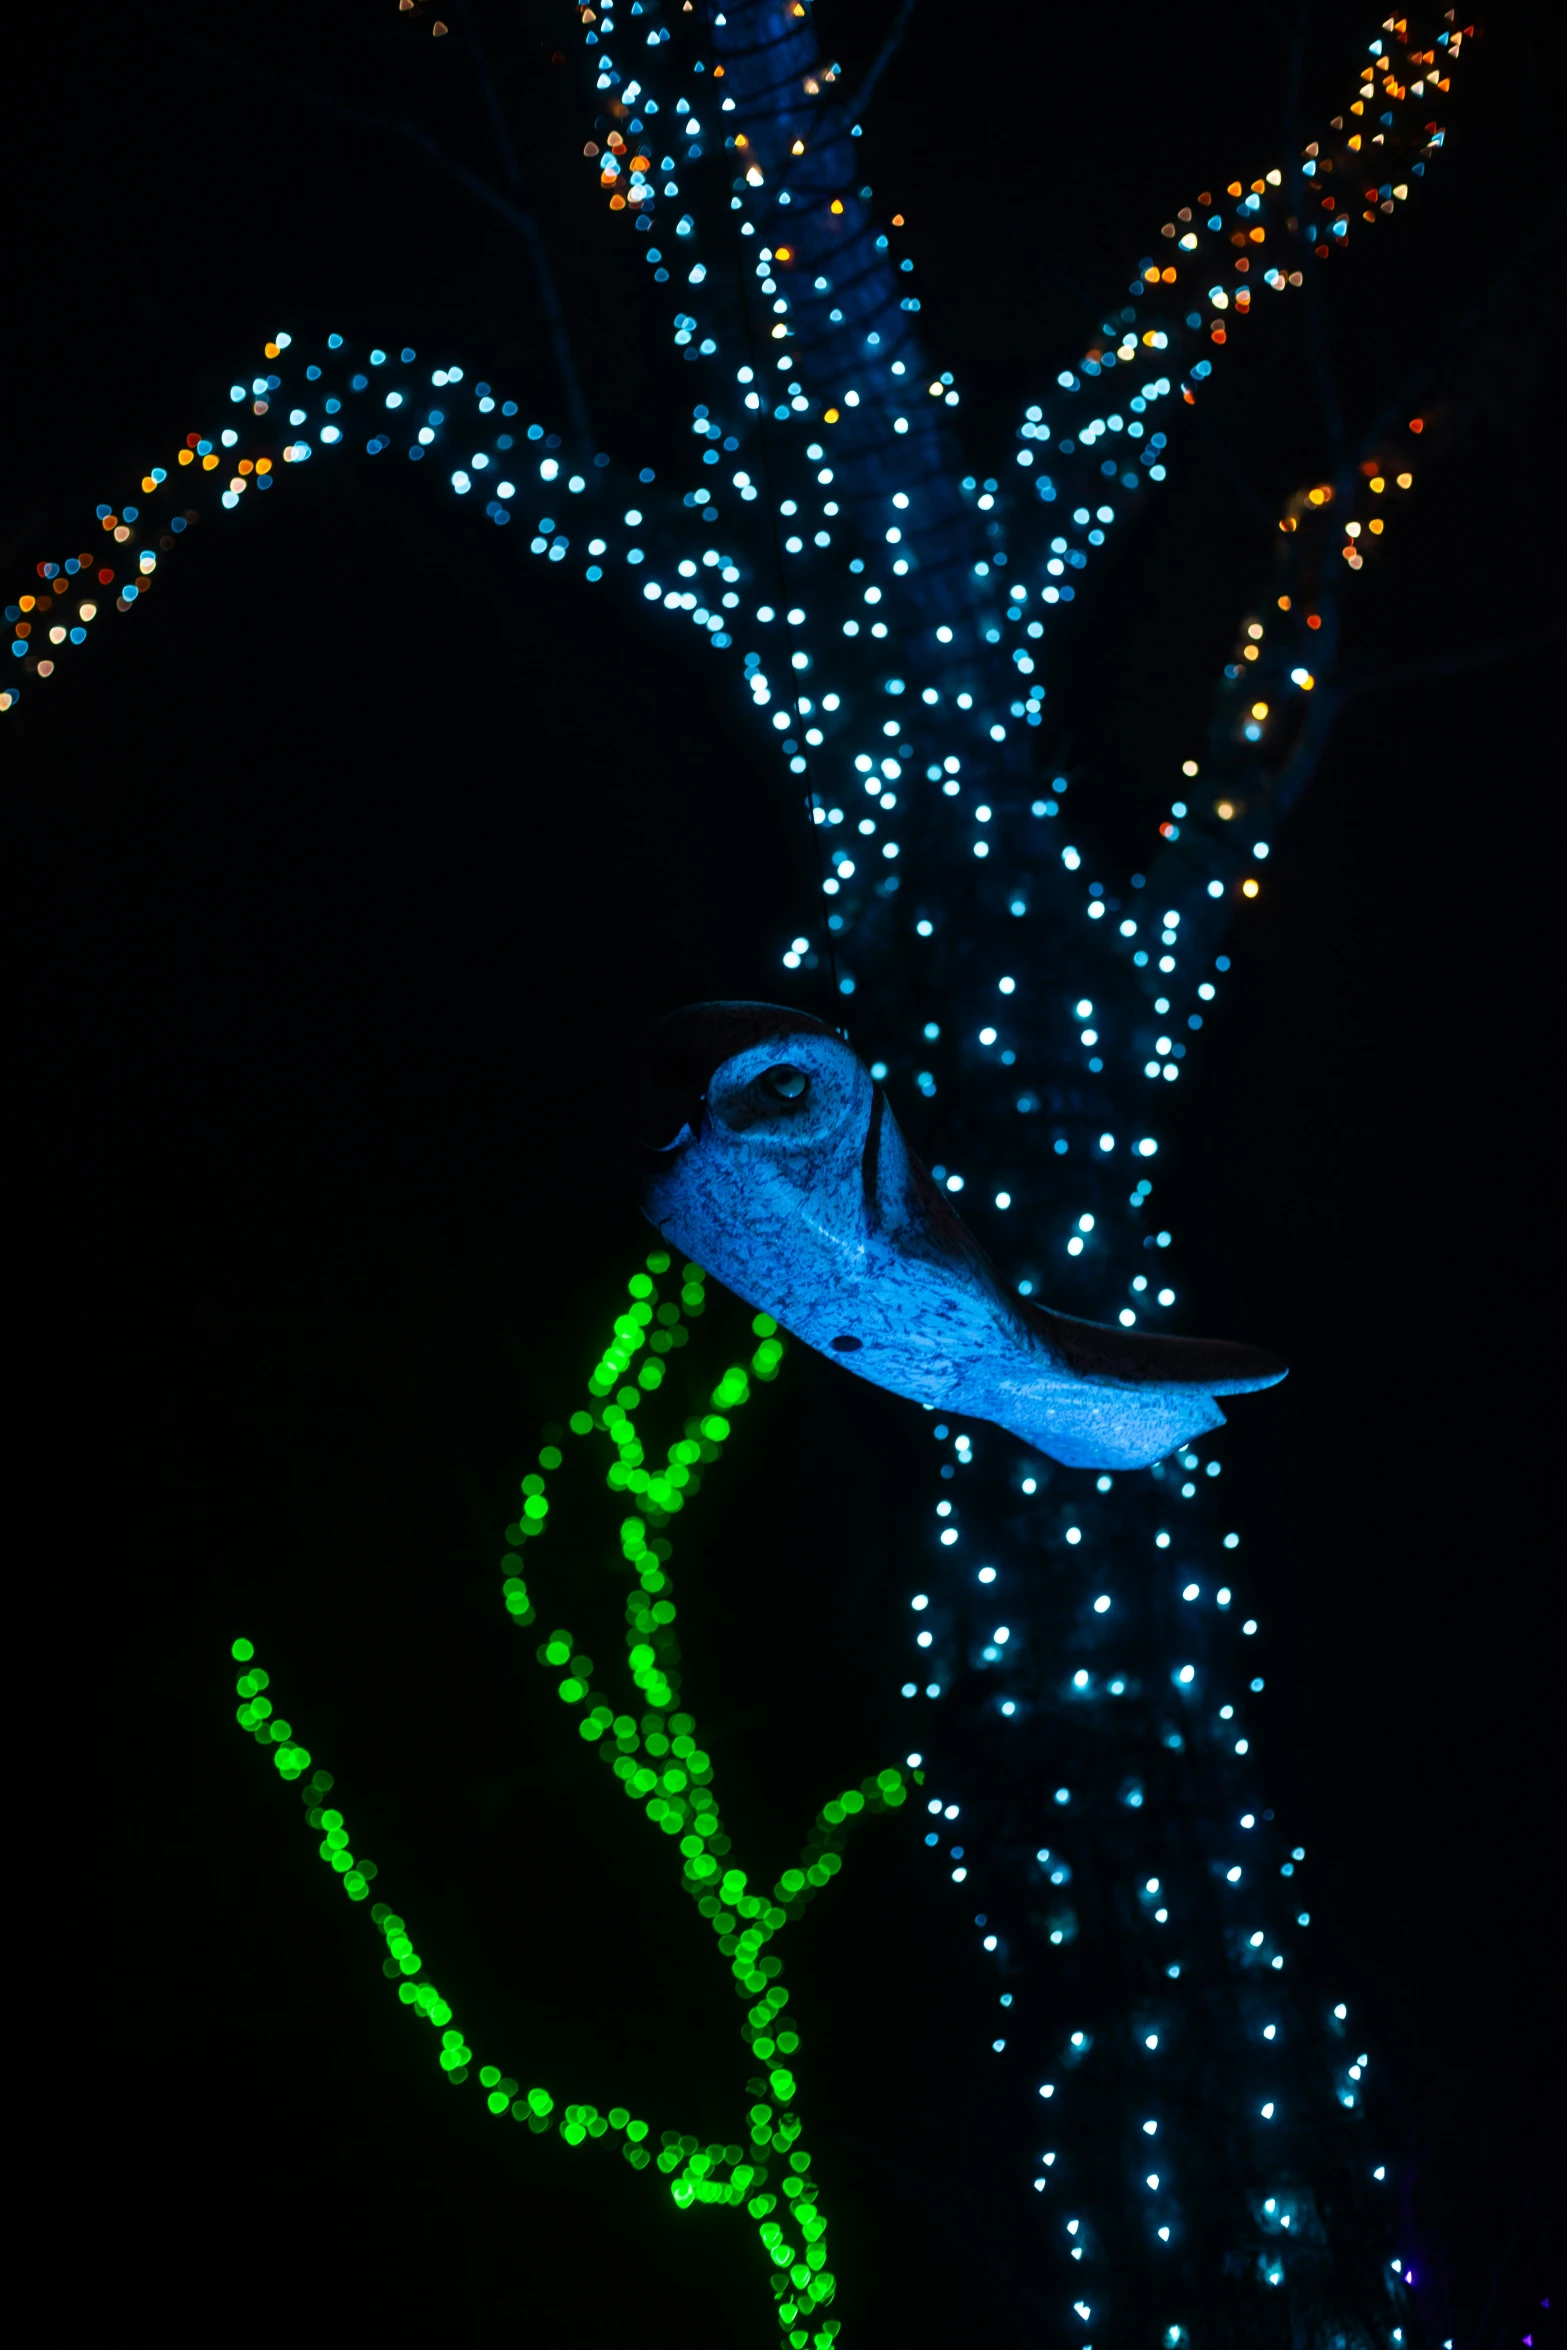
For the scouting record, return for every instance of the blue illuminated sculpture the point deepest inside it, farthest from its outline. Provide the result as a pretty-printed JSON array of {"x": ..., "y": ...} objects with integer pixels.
[{"x": 787, "y": 1176}]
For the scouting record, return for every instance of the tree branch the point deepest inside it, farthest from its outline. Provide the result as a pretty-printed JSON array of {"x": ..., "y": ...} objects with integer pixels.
[
  {"x": 1452, "y": 664},
  {"x": 1312, "y": 285},
  {"x": 854, "y": 107},
  {"x": 1442, "y": 364},
  {"x": 1304, "y": 760},
  {"x": 514, "y": 214}
]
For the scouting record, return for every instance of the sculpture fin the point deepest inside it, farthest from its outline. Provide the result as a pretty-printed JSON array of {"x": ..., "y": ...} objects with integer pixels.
[
  {"x": 1095, "y": 1427},
  {"x": 1149, "y": 1358}
]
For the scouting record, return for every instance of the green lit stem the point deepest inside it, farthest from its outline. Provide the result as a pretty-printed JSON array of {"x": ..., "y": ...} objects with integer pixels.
[
  {"x": 402, "y": 1964},
  {"x": 657, "y": 1756},
  {"x": 662, "y": 1766}
]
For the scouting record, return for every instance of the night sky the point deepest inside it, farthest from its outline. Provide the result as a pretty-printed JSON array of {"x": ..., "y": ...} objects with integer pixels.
[{"x": 349, "y": 877}]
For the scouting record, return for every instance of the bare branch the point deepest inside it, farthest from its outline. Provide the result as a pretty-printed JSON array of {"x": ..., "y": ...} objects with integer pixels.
[
  {"x": 1453, "y": 664},
  {"x": 514, "y": 214},
  {"x": 854, "y": 107},
  {"x": 1312, "y": 285},
  {"x": 1441, "y": 366}
]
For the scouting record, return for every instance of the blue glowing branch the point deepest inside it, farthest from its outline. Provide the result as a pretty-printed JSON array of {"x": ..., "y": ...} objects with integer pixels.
[
  {"x": 911, "y": 552},
  {"x": 843, "y": 315},
  {"x": 843, "y": 312},
  {"x": 874, "y": 719},
  {"x": 1267, "y": 232},
  {"x": 929, "y": 552}
]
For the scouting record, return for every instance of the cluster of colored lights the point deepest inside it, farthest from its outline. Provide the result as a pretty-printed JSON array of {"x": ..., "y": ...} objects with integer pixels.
[
  {"x": 1264, "y": 732},
  {"x": 1404, "y": 137},
  {"x": 652, "y": 1747},
  {"x": 896, "y": 611},
  {"x": 52, "y": 616}
]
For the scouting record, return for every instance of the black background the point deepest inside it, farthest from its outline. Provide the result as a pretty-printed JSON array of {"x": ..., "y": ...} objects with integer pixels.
[{"x": 348, "y": 877}]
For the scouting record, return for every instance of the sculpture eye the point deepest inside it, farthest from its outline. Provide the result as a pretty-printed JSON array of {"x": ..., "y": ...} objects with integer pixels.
[{"x": 785, "y": 1083}]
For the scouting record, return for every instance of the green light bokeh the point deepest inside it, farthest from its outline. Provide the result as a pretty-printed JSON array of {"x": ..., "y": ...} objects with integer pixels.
[{"x": 651, "y": 1746}]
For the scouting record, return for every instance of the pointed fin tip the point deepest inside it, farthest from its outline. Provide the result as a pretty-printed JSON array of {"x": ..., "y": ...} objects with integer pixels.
[{"x": 1151, "y": 1358}]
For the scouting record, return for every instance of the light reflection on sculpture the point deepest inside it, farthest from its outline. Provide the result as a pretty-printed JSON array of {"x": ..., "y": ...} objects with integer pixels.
[{"x": 774, "y": 1159}]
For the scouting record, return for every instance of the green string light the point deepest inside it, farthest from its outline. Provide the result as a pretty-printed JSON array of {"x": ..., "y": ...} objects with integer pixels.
[{"x": 663, "y": 1767}]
